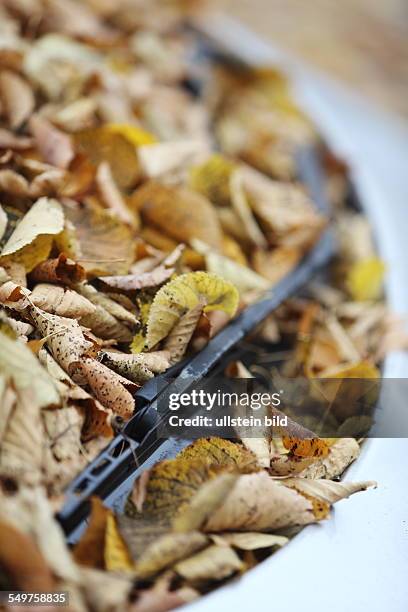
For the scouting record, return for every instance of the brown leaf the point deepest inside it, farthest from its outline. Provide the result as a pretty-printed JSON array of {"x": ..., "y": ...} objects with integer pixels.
[
  {"x": 116, "y": 553},
  {"x": 325, "y": 490},
  {"x": 106, "y": 243},
  {"x": 108, "y": 388},
  {"x": 259, "y": 503},
  {"x": 59, "y": 301},
  {"x": 250, "y": 540},
  {"x": 90, "y": 549},
  {"x": 179, "y": 213},
  {"x": 152, "y": 550},
  {"x": 22, "y": 562},
  {"x": 65, "y": 340},
  {"x": 135, "y": 282},
  {"x": 102, "y": 144},
  {"x": 112, "y": 197},
  {"x": 54, "y": 145},
  {"x": 136, "y": 367},
  {"x": 213, "y": 563},
  {"x": 60, "y": 270},
  {"x": 276, "y": 264},
  {"x": 21, "y": 453},
  {"x": 17, "y": 97},
  {"x": 341, "y": 454},
  {"x": 178, "y": 339},
  {"x": 8, "y": 140}
]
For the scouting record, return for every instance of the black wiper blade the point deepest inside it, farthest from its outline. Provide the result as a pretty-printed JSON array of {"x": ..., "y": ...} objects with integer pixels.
[{"x": 112, "y": 473}]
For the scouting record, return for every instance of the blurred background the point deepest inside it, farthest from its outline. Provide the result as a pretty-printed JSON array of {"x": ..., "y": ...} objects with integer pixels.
[{"x": 361, "y": 42}]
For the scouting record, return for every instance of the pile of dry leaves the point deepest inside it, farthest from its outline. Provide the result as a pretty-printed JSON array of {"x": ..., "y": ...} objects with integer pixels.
[{"x": 126, "y": 240}]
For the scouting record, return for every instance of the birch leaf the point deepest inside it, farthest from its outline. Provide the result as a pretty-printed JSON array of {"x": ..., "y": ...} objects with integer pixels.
[
  {"x": 241, "y": 276},
  {"x": 23, "y": 563},
  {"x": 136, "y": 367},
  {"x": 106, "y": 243},
  {"x": 55, "y": 146},
  {"x": 112, "y": 197},
  {"x": 18, "y": 362},
  {"x": 341, "y": 454},
  {"x": 21, "y": 453},
  {"x": 65, "y": 340},
  {"x": 259, "y": 503},
  {"x": 62, "y": 302},
  {"x": 178, "y": 212},
  {"x": 60, "y": 270},
  {"x": 135, "y": 282},
  {"x": 116, "y": 553},
  {"x": 213, "y": 563},
  {"x": 107, "y": 387},
  {"x": 90, "y": 549},
  {"x": 31, "y": 241},
  {"x": 181, "y": 334},
  {"x": 17, "y": 97},
  {"x": 365, "y": 278},
  {"x": 328, "y": 491},
  {"x": 251, "y": 540},
  {"x": 184, "y": 293}
]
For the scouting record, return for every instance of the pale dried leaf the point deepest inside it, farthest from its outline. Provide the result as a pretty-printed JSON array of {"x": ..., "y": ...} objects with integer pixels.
[
  {"x": 54, "y": 145},
  {"x": 63, "y": 302},
  {"x": 326, "y": 490},
  {"x": 32, "y": 239},
  {"x": 17, "y": 97},
  {"x": 341, "y": 454},
  {"x": 213, "y": 563}
]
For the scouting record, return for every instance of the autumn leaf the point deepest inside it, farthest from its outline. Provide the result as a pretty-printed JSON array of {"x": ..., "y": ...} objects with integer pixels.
[
  {"x": 365, "y": 278},
  {"x": 183, "y": 294},
  {"x": 213, "y": 563},
  {"x": 90, "y": 549},
  {"x": 341, "y": 454},
  {"x": 60, "y": 270},
  {"x": 31, "y": 241},
  {"x": 116, "y": 554},
  {"x": 62, "y": 302},
  {"x": 23, "y": 563},
  {"x": 18, "y": 362},
  {"x": 54, "y": 145},
  {"x": 178, "y": 212},
  {"x": 106, "y": 243},
  {"x": 17, "y": 97}
]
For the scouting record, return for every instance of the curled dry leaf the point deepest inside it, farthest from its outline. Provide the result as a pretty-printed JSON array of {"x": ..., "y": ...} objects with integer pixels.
[
  {"x": 112, "y": 197},
  {"x": 213, "y": 563},
  {"x": 178, "y": 212},
  {"x": 161, "y": 158},
  {"x": 106, "y": 243},
  {"x": 64, "y": 339},
  {"x": 31, "y": 241},
  {"x": 89, "y": 550},
  {"x": 54, "y": 145},
  {"x": 108, "y": 387},
  {"x": 241, "y": 276},
  {"x": 21, "y": 451},
  {"x": 109, "y": 319},
  {"x": 250, "y": 540},
  {"x": 135, "y": 282},
  {"x": 152, "y": 550},
  {"x": 184, "y": 293},
  {"x": 8, "y": 140},
  {"x": 17, "y": 97},
  {"x": 328, "y": 491},
  {"x": 22, "y": 561},
  {"x": 341, "y": 454},
  {"x": 181, "y": 334},
  {"x": 18, "y": 363},
  {"x": 138, "y": 368},
  {"x": 60, "y": 270},
  {"x": 59, "y": 301},
  {"x": 116, "y": 553}
]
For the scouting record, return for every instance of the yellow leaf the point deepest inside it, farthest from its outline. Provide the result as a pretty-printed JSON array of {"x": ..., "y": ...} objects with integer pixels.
[
  {"x": 117, "y": 557},
  {"x": 133, "y": 134},
  {"x": 31, "y": 241},
  {"x": 183, "y": 294},
  {"x": 365, "y": 278},
  {"x": 212, "y": 179}
]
